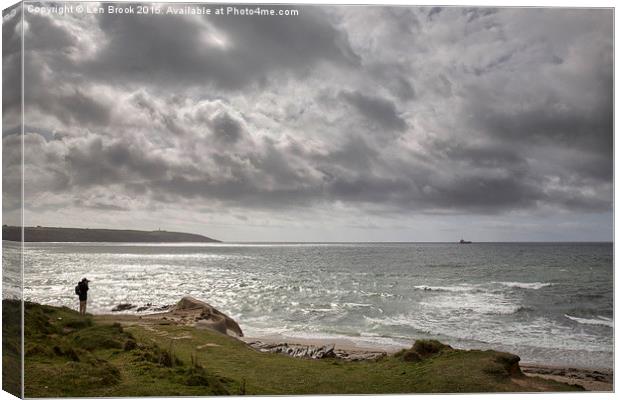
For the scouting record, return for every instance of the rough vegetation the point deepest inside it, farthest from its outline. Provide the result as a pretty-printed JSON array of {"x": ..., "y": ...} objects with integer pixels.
[
  {"x": 423, "y": 349},
  {"x": 67, "y": 355},
  {"x": 11, "y": 345}
]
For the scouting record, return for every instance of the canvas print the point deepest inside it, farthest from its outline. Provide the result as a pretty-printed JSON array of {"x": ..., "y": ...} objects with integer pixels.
[{"x": 211, "y": 199}]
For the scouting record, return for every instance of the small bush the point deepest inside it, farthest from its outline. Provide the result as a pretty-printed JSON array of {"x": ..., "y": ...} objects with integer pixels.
[
  {"x": 130, "y": 344},
  {"x": 428, "y": 347},
  {"x": 422, "y": 349},
  {"x": 66, "y": 351},
  {"x": 510, "y": 363},
  {"x": 411, "y": 356},
  {"x": 197, "y": 380},
  {"x": 167, "y": 358}
]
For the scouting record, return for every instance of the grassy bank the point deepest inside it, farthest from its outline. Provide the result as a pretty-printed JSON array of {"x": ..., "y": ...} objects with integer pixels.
[
  {"x": 11, "y": 347},
  {"x": 67, "y": 355}
]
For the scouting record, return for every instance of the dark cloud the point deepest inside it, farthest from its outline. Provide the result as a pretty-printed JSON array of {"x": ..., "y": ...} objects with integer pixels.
[
  {"x": 553, "y": 124},
  {"x": 82, "y": 109},
  {"x": 50, "y": 83},
  {"x": 44, "y": 35},
  {"x": 226, "y": 51},
  {"x": 378, "y": 110},
  {"x": 98, "y": 205},
  {"x": 481, "y": 156},
  {"x": 12, "y": 174},
  {"x": 92, "y": 162},
  {"x": 485, "y": 194},
  {"x": 226, "y": 128},
  {"x": 354, "y": 154}
]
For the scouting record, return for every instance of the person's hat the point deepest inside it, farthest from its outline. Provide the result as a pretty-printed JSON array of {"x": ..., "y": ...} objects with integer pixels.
[{"x": 85, "y": 280}]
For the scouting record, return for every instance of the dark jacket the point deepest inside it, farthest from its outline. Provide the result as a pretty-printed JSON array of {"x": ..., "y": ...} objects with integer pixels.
[{"x": 82, "y": 290}]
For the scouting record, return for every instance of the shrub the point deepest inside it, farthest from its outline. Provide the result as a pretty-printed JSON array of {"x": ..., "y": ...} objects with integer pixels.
[
  {"x": 130, "y": 344},
  {"x": 411, "y": 356},
  {"x": 428, "y": 347},
  {"x": 66, "y": 351}
]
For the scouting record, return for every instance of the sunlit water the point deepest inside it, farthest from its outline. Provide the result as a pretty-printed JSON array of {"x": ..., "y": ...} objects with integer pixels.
[{"x": 549, "y": 303}]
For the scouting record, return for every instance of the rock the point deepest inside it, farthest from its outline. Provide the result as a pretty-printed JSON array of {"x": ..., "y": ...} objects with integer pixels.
[
  {"x": 314, "y": 352},
  {"x": 207, "y": 316},
  {"x": 218, "y": 325},
  {"x": 151, "y": 307},
  {"x": 123, "y": 307}
]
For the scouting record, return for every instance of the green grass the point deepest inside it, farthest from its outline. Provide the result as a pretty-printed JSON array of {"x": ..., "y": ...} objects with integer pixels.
[
  {"x": 67, "y": 355},
  {"x": 70, "y": 355},
  {"x": 11, "y": 346}
]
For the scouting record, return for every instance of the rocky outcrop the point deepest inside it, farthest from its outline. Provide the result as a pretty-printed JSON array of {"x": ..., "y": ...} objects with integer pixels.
[
  {"x": 188, "y": 311},
  {"x": 123, "y": 307},
  {"x": 205, "y": 316},
  {"x": 149, "y": 307},
  {"x": 315, "y": 352}
]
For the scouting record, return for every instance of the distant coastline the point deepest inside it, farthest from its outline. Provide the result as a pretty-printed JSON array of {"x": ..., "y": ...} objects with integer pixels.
[{"x": 54, "y": 234}]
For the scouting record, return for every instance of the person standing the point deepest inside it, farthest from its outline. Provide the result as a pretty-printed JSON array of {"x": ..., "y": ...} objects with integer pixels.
[{"x": 82, "y": 291}]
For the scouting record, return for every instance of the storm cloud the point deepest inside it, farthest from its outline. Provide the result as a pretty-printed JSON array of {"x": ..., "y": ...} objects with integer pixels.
[{"x": 489, "y": 113}]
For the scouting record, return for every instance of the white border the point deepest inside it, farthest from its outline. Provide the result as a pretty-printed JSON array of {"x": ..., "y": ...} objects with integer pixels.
[{"x": 523, "y": 3}]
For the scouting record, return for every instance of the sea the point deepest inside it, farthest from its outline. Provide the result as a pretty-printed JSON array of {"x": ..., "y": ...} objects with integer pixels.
[{"x": 550, "y": 303}]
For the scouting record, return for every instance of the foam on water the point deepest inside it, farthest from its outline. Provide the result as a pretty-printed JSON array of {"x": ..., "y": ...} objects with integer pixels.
[
  {"x": 592, "y": 321},
  {"x": 526, "y": 285},
  {"x": 461, "y": 288}
]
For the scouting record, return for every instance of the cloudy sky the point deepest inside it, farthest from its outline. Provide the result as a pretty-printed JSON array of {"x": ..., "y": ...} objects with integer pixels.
[{"x": 340, "y": 124}]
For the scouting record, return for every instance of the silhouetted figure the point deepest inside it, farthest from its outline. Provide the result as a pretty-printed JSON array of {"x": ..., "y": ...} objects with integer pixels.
[{"x": 82, "y": 291}]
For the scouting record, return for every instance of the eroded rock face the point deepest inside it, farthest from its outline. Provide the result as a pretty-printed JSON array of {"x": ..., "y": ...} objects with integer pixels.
[
  {"x": 205, "y": 315},
  {"x": 315, "y": 352},
  {"x": 123, "y": 307}
]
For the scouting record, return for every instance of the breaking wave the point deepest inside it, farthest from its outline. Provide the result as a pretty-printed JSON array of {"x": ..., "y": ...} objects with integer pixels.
[
  {"x": 525, "y": 285},
  {"x": 592, "y": 321}
]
